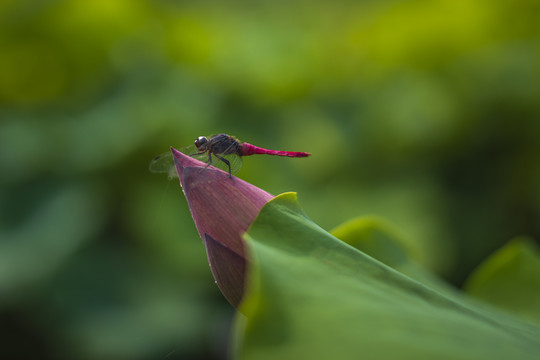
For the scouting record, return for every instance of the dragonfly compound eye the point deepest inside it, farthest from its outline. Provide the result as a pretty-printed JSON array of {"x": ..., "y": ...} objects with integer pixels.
[{"x": 201, "y": 142}]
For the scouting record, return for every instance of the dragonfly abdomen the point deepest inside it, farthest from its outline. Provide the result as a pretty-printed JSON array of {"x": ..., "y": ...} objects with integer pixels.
[{"x": 248, "y": 149}]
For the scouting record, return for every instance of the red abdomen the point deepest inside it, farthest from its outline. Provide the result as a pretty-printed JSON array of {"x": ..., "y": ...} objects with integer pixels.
[{"x": 248, "y": 149}]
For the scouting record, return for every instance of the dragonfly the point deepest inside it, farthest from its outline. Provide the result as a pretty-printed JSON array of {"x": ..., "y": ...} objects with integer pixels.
[{"x": 226, "y": 149}]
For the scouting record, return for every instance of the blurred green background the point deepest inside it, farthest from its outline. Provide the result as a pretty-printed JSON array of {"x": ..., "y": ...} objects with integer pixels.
[{"x": 425, "y": 113}]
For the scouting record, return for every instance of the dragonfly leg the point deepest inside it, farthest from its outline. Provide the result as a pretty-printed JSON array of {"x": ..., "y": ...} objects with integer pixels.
[
  {"x": 199, "y": 153},
  {"x": 209, "y": 162},
  {"x": 226, "y": 162}
]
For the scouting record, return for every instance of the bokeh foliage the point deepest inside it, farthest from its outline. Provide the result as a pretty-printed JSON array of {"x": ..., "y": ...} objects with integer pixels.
[{"x": 424, "y": 113}]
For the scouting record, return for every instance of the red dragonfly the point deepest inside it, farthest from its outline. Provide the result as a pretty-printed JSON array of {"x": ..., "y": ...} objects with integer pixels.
[{"x": 226, "y": 149}]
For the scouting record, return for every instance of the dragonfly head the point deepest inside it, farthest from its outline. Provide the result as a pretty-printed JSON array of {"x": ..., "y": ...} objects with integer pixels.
[{"x": 201, "y": 143}]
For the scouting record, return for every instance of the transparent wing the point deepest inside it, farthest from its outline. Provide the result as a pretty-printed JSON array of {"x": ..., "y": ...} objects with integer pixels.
[
  {"x": 236, "y": 163},
  {"x": 234, "y": 160},
  {"x": 164, "y": 163}
]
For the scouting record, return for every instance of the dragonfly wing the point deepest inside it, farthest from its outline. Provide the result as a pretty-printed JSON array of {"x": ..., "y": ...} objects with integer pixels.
[
  {"x": 236, "y": 162},
  {"x": 164, "y": 163},
  {"x": 161, "y": 163}
]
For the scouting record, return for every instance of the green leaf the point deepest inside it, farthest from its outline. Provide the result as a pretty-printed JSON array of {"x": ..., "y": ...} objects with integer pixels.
[
  {"x": 311, "y": 296},
  {"x": 510, "y": 279},
  {"x": 377, "y": 238}
]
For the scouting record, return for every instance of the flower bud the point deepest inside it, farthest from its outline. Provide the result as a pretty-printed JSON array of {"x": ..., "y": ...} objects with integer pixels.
[{"x": 223, "y": 207}]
